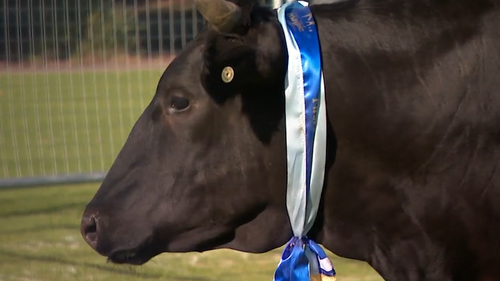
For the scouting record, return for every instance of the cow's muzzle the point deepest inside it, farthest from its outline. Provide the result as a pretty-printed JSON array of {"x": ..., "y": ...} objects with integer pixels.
[
  {"x": 90, "y": 229},
  {"x": 95, "y": 233}
]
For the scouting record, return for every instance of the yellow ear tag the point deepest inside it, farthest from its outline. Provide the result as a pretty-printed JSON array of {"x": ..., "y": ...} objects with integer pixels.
[{"x": 227, "y": 74}]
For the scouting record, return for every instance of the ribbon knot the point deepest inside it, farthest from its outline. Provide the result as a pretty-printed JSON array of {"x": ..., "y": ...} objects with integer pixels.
[{"x": 303, "y": 259}]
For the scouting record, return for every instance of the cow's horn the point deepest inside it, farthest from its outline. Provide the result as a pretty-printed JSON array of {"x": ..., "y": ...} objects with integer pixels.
[{"x": 221, "y": 14}]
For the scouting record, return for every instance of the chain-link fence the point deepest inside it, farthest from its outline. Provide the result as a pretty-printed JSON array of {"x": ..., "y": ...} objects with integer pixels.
[{"x": 74, "y": 77}]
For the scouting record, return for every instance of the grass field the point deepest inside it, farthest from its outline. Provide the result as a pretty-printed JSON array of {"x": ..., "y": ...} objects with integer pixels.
[
  {"x": 76, "y": 122},
  {"x": 52, "y": 123},
  {"x": 40, "y": 240}
]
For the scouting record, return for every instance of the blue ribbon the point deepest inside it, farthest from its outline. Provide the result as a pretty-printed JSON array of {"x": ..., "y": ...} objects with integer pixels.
[
  {"x": 303, "y": 259},
  {"x": 295, "y": 263},
  {"x": 305, "y": 34}
]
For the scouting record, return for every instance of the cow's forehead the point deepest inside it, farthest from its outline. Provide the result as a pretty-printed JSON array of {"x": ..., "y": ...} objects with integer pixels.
[{"x": 187, "y": 65}]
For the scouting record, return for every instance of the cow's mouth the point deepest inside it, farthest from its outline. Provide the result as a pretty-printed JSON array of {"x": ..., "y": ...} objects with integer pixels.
[
  {"x": 127, "y": 257},
  {"x": 137, "y": 256}
]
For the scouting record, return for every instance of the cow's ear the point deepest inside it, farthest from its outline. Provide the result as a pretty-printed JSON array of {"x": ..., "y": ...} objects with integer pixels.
[{"x": 229, "y": 64}]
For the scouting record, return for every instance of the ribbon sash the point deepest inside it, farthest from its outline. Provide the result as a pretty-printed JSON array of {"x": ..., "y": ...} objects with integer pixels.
[{"x": 305, "y": 114}]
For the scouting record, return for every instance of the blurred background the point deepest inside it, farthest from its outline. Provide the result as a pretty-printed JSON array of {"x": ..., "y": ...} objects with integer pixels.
[{"x": 74, "y": 77}]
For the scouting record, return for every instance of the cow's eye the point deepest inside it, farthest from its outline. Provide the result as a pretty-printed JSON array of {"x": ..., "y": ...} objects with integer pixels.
[{"x": 179, "y": 103}]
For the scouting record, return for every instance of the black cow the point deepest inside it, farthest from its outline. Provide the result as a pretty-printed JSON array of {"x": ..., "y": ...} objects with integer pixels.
[{"x": 413, "y": 102}]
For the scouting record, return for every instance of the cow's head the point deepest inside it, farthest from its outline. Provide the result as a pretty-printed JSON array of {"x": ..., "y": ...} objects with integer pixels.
[{"x": 205, "y": 165}]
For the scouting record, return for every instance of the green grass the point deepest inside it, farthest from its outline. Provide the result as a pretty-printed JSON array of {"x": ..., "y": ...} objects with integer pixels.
[
  {"x": 40, "y": 240},
  {"x": 52, "y": 123},
  {"x": 56, "y": 123}
]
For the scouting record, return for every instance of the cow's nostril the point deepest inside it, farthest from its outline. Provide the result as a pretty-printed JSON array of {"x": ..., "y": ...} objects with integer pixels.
[{"x": 89, "y": 230}]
